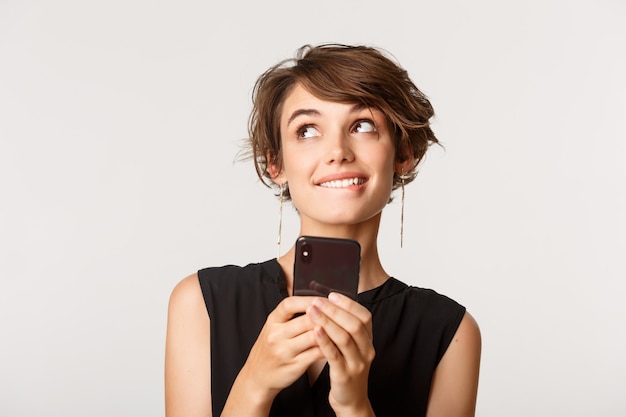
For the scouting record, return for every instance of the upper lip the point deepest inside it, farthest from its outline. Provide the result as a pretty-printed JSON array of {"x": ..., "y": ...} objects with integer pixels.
[{"x": 341, "y": 176}]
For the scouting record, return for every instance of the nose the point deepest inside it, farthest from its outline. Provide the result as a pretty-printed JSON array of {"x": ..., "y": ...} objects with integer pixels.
[{"x": 339, "y": 149}]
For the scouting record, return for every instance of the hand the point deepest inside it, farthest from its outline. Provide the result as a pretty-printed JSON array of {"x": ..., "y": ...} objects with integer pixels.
[
  {"x": 283, "y": 351},
  {"x": 343, "y": 330}
]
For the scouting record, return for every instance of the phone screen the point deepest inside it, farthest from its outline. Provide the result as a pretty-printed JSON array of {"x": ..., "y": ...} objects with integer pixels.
[{"x": 323, "y": 265}]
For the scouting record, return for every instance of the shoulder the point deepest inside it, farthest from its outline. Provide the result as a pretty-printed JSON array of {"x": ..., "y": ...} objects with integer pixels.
[
  {"x": 233, "y": 291},
  {"x": 466, "y": 340},
  {"x": 468, "y": 331},
  {"x": 186, "y": 296},
  {"x": 440, "y": 315},
  {"x": 455, "y": 381},
  {"x": 436, "y": 316},
  {"x": 187, "y": 351},
  {"x": 412, "y": 303},
  {"x": 225, "y": 274},
  {"x": 430, "y": 296},
  {"x": 436, "y": 305}
]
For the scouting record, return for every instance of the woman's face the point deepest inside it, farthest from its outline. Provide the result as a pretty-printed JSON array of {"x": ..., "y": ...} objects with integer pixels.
[{"x": 338, "y": 159}]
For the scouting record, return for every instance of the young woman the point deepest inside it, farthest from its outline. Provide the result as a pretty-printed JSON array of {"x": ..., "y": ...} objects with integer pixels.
[{"x": 336, "y": 130}]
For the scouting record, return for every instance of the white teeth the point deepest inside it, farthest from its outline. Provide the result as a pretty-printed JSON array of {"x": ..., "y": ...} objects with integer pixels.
[{"x": 343, "y": 183}]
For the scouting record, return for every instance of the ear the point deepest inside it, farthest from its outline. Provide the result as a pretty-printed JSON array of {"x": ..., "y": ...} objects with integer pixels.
[
  {"x": 402, "y": 167},
  {"x": 405, "y": 161},
  {"x": 276, "y": 174}
]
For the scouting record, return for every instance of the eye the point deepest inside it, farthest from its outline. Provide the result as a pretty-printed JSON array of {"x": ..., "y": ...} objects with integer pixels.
[
  {"x": 364, "y": 126},
  {"x": 307, "y": 131}
]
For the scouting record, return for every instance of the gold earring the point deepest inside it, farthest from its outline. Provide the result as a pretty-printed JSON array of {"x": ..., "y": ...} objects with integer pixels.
[
  {"x": 280, "y": 216},
  {"x": 402, "y": 178}
]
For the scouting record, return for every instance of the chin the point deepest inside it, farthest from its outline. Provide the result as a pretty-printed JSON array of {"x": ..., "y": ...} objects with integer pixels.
[
  {"x": 341, "y": 213},
  {"x": 344, "y": 218}
]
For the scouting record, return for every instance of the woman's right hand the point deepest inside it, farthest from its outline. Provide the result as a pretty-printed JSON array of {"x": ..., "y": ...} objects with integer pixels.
[{"x": 285, "y": 349}]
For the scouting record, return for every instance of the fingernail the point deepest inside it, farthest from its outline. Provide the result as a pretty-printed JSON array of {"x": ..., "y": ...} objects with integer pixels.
[
  {"x": 313, "y": 311},
  {"x": 334, "y": 297},
  {"x": 319, "y": 302},
  {"x": 319, "y": 331}
]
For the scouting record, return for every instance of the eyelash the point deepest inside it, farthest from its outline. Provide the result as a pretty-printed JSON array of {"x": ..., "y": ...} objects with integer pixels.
[
  {"x": 371, "y": 122},
  {"x": 300, "y": 131}
]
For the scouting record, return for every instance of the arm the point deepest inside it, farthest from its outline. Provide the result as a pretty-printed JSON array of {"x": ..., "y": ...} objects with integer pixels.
[
  {"x": 188, "y": 353},
  {"x": 455, "y": 381},
  {"x": 285, "y": 348},
  {"x": 283, "y": 351}
]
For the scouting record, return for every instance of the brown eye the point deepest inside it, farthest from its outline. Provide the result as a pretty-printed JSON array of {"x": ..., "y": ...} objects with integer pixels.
[
  {"x": 308, "y": 131},
  {"x": 364, "y": 126}
]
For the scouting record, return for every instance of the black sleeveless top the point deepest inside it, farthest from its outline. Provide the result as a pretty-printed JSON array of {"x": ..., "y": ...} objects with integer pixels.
[{"x": 412, "y": 329}]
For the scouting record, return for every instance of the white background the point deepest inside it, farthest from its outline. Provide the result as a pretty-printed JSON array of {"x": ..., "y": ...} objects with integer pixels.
[{"x": 120, "y": 122}]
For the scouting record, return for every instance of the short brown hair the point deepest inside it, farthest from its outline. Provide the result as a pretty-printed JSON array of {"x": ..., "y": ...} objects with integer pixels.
[{"x": 345, "y": 74}]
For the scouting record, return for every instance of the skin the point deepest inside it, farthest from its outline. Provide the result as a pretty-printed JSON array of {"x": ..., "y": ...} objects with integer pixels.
[{"x": 321, "y": 141}]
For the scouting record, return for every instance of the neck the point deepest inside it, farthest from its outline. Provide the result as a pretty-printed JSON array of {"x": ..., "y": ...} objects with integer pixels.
[{"x": 371, "y": 273}]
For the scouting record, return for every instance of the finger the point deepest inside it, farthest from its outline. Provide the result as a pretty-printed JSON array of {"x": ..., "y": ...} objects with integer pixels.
[
  {"x": 328, "y": 348},
  {"x": 339, "y": 336},
  {"x": 358, "y": 328},
  {"x": 353, "y": 307},
  {"x": 291, "y": 337},
  {"x": 293, "y": 342},
  {"x": 288, "y": 307},
  {"x": 296, "y": 326},
  {"x": 296, "y": 346},
  {"x": 310, "y": 354}
]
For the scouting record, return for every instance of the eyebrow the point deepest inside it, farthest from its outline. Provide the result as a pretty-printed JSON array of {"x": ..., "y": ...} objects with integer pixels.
[{"x": 313, "y": 112}]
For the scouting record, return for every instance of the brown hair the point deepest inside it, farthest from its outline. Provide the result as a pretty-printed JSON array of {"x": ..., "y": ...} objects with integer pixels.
[{"x": 346, "y": 74}]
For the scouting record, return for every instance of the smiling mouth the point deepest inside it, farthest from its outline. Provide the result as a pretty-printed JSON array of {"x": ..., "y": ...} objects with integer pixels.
[{"x": 343, "y": 183}]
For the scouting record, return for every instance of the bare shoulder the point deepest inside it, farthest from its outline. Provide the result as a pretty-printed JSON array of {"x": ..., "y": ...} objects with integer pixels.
[
  {"x": 187, "y": 294},
  {"x": 187, "y": 352},
  {"x": 468, "y": 333},
  {"x": 455, "y": 381}
]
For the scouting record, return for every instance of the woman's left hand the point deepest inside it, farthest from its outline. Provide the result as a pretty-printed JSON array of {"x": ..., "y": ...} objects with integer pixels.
[{"x": 344, "y": 335}]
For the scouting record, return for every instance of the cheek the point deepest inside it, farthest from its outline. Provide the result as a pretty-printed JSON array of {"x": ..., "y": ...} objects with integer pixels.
[
  {"x": 292, "y": 170},
  {"x": 387, "y": 164},
  {"x": 296, "y": 178},
  {"x": 299, "y": 162},
  {"x": 388, "y": 174}
]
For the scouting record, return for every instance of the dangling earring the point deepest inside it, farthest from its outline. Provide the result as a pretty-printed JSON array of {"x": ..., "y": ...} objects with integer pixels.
[
  {"x": 280, "y": 216},
  {"x": 402, "y": 178}
]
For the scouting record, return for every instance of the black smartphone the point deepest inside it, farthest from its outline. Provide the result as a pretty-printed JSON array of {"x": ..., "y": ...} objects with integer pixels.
[{"x": 323, "y": 265}]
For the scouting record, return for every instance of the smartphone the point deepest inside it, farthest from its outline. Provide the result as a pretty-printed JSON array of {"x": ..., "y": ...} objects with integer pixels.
[{"x": 323, "y": 265}]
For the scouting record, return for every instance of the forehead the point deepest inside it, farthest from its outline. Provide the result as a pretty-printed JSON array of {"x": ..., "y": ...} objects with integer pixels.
[
  {"x": 300, "y": 96},
  {"x": 299, "y": 100}
]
